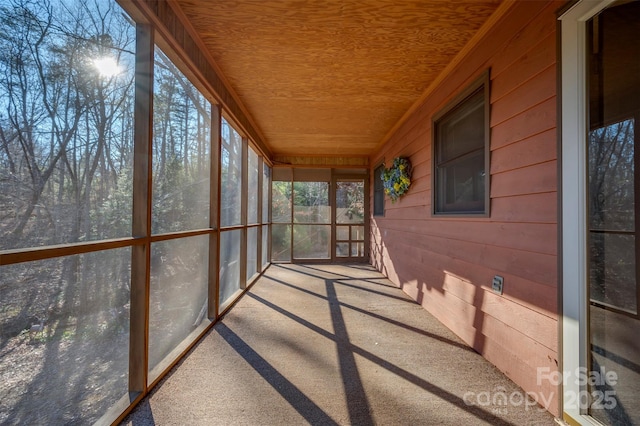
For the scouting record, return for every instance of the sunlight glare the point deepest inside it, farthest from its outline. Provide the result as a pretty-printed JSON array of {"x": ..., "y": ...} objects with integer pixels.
[{"x": 107, "y": 67}]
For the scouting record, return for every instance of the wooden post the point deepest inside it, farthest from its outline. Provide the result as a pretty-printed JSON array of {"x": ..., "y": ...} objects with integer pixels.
[
  {"x": 214, "y": 209},
  {"x": 141, "y": 228},
  {"x": 259, "y": 214},
  {"x": 243, "y": 212}
]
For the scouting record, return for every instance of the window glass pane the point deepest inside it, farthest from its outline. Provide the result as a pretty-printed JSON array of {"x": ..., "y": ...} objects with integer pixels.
[
  {"x": 266, "y": 185},
  {"x": 66, "y": 121},
  {"x": 178, "y": 296},
  {"x": 284, "y": 174},
  {"x": 342, "y": 249},
  {"x": 311, "y": 241},
  {"x": 461, "y": 130},
  {"x": 229, "y": 264},
  {"x": 459, "y": 159},
  {"x": 342, "y": 233},
  {"x": 613, "y": 327},
  {"x": 357, "y": 233},
  {"x": 252, "y": 193},
  {"x": 252, "y": 251},
  {"x": 613, "y": 270},
  {"x": 461, "y": 185},
  {"x": 64, "y": 334},
  {"x": 181, "y": 151},
  {"x": 357, "y": 249},
  {"x": 231, "y": 182},
  {"x": 350, "y": 202},
  {"x": 280, "y": 243},
  {"x": 265, "y": 245},
  {"x": 611, "y": 177},
  {"x": 281, "y": 202},
  {"x": 311, "y": 202},
  {"x": 378, "y": 192}
]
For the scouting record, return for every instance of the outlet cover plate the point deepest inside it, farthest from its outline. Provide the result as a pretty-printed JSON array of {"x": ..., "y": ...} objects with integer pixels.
[{"x": 497, "y": 284}]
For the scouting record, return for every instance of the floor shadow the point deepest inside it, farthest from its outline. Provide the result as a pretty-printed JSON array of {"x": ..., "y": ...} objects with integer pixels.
[
  {"x": 478, "y": 320},
  {"x": 380, "y": 317},
  {"x": 143, "y": 415},
  {"x": 368, "y": 290},
  {"x": 612, "y": 409},
  {"x": 616, "y": 358},
  {"x": 298, "y": 400},
  {"x": 406, "y": 375},
  {"x": 357, "y": 403},
  {"x": 345, "y": 278}
]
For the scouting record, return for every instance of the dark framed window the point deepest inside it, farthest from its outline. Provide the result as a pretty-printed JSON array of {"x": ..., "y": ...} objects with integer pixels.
[
  {"x": 461, "y": 153},
  {"x": 378, "y": 191}
]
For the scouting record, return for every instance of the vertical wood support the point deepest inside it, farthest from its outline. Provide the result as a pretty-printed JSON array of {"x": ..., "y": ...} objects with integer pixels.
[
  {"x": 333, "y": 190},
  {"x": 367, "y": 218},
  {"x": 269, "y": 214},
  {"x": 259, "y": 229},
  {"x": 291, "y": 213},
  {"x": 244, "y": 202},
  {"x": 636, "y": 166},
  {"x": 214, "y": 215},
  {"x": 141, "y": 229}
]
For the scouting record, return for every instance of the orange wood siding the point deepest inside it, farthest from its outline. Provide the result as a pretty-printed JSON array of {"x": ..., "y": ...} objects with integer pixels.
[{"x": 447, "y": 264}]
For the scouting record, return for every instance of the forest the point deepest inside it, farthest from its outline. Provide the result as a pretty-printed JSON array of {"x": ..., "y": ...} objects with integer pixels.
[
  {"x": 612, "y": 189},
  {"x": 67, "y": 97}
]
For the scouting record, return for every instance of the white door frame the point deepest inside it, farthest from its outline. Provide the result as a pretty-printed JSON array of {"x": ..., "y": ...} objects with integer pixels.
[{"x": 574, "y": 206}]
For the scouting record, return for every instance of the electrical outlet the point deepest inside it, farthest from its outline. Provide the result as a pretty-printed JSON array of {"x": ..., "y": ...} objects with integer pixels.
[{"x": 498, "y": 281}]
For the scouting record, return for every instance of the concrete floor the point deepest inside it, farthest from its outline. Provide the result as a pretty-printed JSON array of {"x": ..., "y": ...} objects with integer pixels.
[{"x": 333, "y": 345}]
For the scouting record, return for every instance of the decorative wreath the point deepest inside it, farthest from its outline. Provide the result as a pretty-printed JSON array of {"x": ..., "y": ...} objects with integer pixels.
[{"x": 397, "y": 178}]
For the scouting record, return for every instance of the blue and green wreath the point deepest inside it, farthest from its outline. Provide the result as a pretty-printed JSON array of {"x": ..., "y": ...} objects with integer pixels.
[{"x": 397, "y": 178}]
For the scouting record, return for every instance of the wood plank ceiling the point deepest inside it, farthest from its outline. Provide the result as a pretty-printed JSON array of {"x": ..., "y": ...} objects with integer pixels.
[{"x": 332, "y": 77}]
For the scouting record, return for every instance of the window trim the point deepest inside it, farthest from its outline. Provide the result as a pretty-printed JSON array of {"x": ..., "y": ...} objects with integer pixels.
[
  {"x": 482, "y": 82},
  {"x": 376, "y": 183}
]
